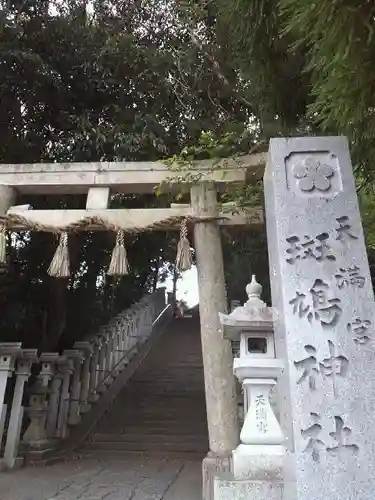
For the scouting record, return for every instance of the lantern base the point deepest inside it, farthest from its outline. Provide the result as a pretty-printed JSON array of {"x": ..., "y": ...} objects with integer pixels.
[
  {"x": 259, "y": 462},
  {"x": 245, "y": 489}
]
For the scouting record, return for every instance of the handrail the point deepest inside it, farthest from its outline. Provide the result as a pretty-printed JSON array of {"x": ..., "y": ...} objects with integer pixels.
[
  {"x": 119, "y": 365},
  {"x": 67, "y": 385}
]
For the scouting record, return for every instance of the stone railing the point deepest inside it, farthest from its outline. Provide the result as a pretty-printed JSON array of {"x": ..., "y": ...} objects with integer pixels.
[{"x": 61, "y": 388}]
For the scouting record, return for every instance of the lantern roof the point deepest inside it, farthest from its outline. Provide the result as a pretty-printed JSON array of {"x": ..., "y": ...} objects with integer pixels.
[{"x": 253, "y": 316}]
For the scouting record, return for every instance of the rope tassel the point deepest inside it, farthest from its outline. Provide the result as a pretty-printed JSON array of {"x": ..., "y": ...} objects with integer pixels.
[
  {"x": 60, "y": 264},
  {"x": 184, "y": 259},
  {"x": 119, "y": 265},
  {"x": 3, "y": 244}
]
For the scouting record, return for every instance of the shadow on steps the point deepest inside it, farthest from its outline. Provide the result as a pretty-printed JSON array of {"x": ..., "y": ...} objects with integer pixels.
[{"x": 162, "y": 408}]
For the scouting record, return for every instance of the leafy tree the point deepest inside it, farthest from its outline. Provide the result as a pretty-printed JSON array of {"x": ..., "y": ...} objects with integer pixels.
[
  {"x": 123, "y": 80},
  {"x": 301, "y": 67},
  {"x": 111, "y": 80},
  {"x": 305, "y": 67},
  {"x": 338, "y": 37}
]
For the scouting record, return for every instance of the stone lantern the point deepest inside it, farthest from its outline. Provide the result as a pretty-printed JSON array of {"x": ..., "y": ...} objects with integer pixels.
[{"x": 261, "y": 452}]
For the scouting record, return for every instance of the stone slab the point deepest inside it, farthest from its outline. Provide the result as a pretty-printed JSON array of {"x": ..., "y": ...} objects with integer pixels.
[
  {"x": 108, "y": 478},
  {"x": 188, "y": 485},
  {"x": 122, "y": 177},
  {"x": 324, "y": 329},
  {"x": 232, "y": 489}
]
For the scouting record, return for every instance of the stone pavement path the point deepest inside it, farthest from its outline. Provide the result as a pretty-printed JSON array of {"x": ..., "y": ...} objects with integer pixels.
[{"x": 109, "y": 478}]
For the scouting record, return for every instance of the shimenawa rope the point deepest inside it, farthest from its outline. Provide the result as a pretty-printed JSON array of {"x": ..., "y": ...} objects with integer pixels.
[{"x": 119, "y": 266}]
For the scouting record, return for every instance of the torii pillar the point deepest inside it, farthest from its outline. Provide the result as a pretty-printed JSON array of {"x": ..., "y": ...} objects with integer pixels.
[
  {"x": 220, "y": 386},
  {"x": 7, "y": 198}
]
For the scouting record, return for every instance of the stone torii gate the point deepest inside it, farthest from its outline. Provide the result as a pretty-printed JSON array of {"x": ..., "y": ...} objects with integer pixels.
[
  {"x": 99, "y": 181},
  {"x": 323, "y": 314}
]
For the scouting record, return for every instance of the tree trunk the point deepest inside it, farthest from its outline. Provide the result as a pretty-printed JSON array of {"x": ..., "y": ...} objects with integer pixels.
[{"x": 57, "y": 314}]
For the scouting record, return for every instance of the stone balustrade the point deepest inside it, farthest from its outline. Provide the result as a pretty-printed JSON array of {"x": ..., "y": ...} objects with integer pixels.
[{"x": 42, "y": 395}]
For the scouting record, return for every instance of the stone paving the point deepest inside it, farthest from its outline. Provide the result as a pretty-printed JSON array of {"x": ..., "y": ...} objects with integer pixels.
[{"x": 108, "y": 478}]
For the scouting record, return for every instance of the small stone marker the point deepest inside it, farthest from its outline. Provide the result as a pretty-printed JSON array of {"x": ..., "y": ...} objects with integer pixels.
[{"x": 324, "y": 329}]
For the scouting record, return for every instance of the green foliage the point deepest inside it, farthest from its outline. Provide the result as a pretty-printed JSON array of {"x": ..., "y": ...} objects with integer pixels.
[
  {"x": 245, "y": 253},
  {"x": 219, "y": 149},
  {"x": 80, "y": 87},
  {"x": 302, "y": 67},
  {"x": 307, "y": 67},
  {"x": 339, "y": 38},
  {"x": 124, "y": 81},
  {"x": 184, "y": 80}
]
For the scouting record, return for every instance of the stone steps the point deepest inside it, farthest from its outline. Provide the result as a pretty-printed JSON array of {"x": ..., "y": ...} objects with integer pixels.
[
  {"x": 185, "y": 388},
  {"x": 162, "y": 408},
  {"x": 178, "y": 403},
  {"x": 158, "y": 388},
  {"x": 144, "y": 425},
  {"x": 146, "y": 446},
  {"x": 155, "y": 428},
  {"x": 128, "y": 417},
  {"x": 141, "y": 437},
  {"x": 125, "y": 454}
]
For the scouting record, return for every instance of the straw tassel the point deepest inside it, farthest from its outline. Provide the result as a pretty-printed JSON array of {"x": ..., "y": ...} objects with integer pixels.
[
  {"x": 60, "y": 264},
  {"x": 119, "y": 265},
  {"x": 184, "y": 259},
  {"x": 3, "y": 245}
]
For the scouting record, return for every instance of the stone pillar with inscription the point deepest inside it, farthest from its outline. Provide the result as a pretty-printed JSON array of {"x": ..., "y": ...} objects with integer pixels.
[{"x": 324, "y": 328}]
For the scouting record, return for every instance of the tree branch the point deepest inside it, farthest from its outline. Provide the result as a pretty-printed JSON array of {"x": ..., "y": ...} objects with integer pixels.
[{"x": 219, "y": 73}]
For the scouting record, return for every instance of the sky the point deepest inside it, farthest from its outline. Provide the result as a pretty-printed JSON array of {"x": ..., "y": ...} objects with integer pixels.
[{"x": 187, "y": 287}]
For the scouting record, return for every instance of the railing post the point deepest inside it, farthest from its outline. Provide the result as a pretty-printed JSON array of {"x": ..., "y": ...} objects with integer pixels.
[
  {"x": 23, "y": 371},
  {"x": 67, "y": 368},
  {"x": 93, "y": 384},
  {"x": 125, "y": 340},
  {"x": 87, "y": 350},
  {"x": 8, "y": 352},
  {"x": 77, "y": 356},
  {"x": 117, "y": 346},
  {"x": 3, "y": 416},
  {"x": 109, "y": 358},
  {"x": 53, "y": 405},
  {"x": 153, "y": 307},
  {"x": 137, "y": 325},
  {"x": 117, "y": 342},
  {"x": 147, "y": 315},
  {"x": 135, "y": 329},
  {"x": 36, "y": 437},
  {"x": 121, "y": 340},
  {"x": 102, "y": 364}
]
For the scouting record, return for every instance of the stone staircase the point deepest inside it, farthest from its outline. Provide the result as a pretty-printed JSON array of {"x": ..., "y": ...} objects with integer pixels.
[
  {"x": 51, "y": 401},
  {"x": 162, "y": 407}
]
